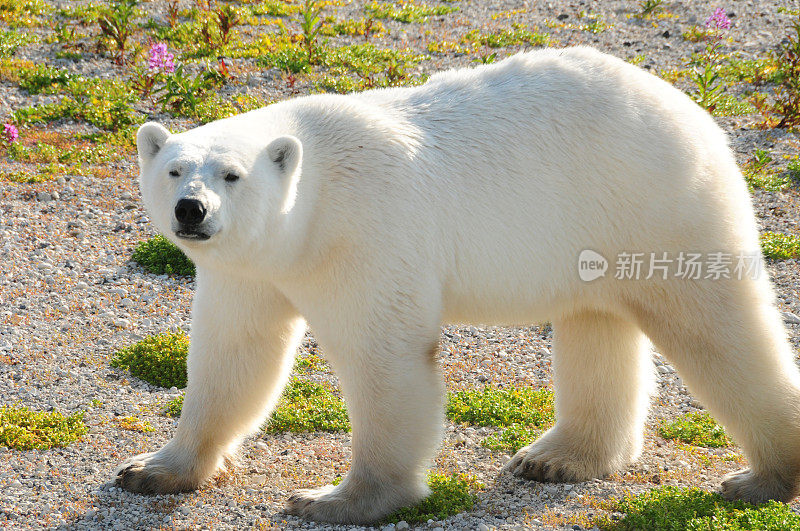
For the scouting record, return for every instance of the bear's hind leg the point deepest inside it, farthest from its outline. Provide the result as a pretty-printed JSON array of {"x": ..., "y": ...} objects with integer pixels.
[
  {"x": 601, "y": 375},
  {"x": 728, "y": 343}
]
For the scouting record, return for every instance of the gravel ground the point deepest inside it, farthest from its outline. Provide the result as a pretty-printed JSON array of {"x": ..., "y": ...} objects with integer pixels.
[{"x": 70, "y": 298}]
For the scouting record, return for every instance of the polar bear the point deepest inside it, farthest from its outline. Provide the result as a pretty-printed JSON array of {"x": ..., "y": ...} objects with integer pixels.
[{"x": 376, "y": 217}]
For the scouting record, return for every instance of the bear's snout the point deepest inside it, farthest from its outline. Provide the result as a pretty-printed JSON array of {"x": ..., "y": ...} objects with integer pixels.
[{"x": 190, "y": 212}]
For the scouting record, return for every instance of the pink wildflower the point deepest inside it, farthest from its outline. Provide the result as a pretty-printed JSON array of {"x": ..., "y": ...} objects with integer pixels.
[
  {"x": 161, "y": 59},
  {"x": 718, "y": 20},
  {"x": 10, "y": 133}
]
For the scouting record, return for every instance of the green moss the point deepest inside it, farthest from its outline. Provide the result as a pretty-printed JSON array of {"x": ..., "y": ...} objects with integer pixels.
[
  {"x": 675, "y": 509},
  {"x": 307, "y": 406},
  {"x": 450, "y": 494},
  {"x": 780, "y": 246},
  {"x": 523, "y": 412},
  {"x": 698, "y": 429},
  {"x": 160, "y": 256},
  {"x": 406, "y": 10},
  {"x": 159, "y": 360},
  {"x": 23, "y": 429}
]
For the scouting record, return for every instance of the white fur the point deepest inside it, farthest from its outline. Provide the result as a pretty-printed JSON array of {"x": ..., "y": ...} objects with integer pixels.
[{"x": 378, "y": 216}]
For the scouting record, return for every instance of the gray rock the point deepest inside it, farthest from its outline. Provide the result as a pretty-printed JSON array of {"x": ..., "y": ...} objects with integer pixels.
[{"x": 790, "y": 318}]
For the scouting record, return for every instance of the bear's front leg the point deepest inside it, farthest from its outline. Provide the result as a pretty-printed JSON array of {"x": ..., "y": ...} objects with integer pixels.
[
  {"x": 395, "y": 399},
  {"x": 243, "y": 341}
]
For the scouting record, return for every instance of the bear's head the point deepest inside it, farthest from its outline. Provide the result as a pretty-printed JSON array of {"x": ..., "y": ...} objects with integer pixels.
[{"x": 216, "y": 191}]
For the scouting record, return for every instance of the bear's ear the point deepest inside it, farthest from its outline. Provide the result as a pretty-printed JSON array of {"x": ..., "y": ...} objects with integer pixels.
[
  {"x": 286, "y": 152},
  {"x": 150, "y": 139}
]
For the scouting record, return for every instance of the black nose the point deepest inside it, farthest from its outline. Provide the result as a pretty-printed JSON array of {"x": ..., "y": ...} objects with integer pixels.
[{"x": 190, "y": 211}]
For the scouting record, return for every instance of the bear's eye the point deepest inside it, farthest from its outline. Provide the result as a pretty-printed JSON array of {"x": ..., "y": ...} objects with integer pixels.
[
  {"x": 231, "y": 177},
  {"x": 174, "y": 173}
]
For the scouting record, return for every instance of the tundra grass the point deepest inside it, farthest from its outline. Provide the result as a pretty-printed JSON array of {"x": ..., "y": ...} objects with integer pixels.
[
  {"x": 159, "y": 360},
  {"x": 304, "y": 407},
  {"x": 24, "y": 429},
  {"x": 780, "y": 246},
  {"x": 697, "y": 429},
  {"x": 406, "y": 11},
  {"x": 160, "y": 256},
  {"x": 307, "y": 406},
  {"x": 522, "y": 412},
  {"x": 450, "y": 494},
  {"x": 517, "y": 35},
  {"x": 673, "y": 509},
  {"x": 759, "y": 173}
]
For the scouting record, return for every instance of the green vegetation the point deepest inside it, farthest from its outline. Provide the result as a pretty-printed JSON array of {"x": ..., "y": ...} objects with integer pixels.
[
  {"x": 17, "y": 13},
  {"x": 650, "y": 7},
  {"x": 307, "y": 406},
  {"x": 594, "y": 22},
  {"x": 304, "y": 407},
  {"x": 174, "y": 406},
  {"x": 783, "y": 109},
  {"x": 517, "y": 35},
  {"x": 52, "y": 154},
  {"x": 11, "y": 40},
  {"x": 755, "y": 71},
  {"x": 134, "y": 424},
  {"x": 275, "y": 8},
  {"x": 674, "y": 509},
  {"x": 116, "y": 25},
  {"x": 523, "y": 412},
  {"x": 780, "y": 246},
  {"x": 450, "y": 494},
  {"x": 793, "y": 168},
  {"x": 23, "y": 429},
  {"x": 160, "y": 256},
  {"x": 105, "y": 103},
  {"x": 406, "y": 11},
  {"x": 310, "y": 362},
  {"x": 365, "y": 27},
  {"x": 697, "y": 34},
  {"x": 50, "y": 147},
  {"x": 759, "y": 173},
  {"x": 364, "y": 66},
  {"x": 159, "y": 360},
  {"x": 698, "y": 429}
]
